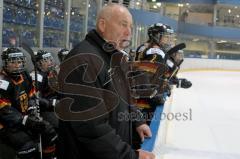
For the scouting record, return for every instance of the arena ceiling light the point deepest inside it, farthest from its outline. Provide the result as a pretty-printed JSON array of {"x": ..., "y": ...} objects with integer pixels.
[
  {"x": 158, "y": 4},
  {"x": 180, "y": 5},
  {"x": 221, "y": 41},
  {"x": 195, "y": 39}
]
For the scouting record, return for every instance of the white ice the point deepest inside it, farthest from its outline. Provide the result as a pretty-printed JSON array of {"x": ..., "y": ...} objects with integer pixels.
[{"x": 213, "y": 132}]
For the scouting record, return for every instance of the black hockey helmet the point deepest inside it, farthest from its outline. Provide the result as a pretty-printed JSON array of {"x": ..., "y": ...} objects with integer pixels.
[
  {"x": 62, "y": 53},
  {"x": 45, "y": 61},
  {"x": 13, "y": 61},
  {"x": 162, "y": 35}
]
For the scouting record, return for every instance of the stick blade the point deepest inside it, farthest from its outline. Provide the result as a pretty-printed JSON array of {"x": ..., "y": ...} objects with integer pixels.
[{"x": 176, "y": 48}]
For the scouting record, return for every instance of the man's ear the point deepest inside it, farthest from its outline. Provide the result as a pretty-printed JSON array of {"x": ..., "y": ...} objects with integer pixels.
[{"x": 102, "y": 25}]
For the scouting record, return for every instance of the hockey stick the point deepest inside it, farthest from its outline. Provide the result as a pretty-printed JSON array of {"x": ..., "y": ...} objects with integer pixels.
[
  {"x": 176, "y": 69},
  {"x": 174, "y": 49},
  {"x": 31, "y": 53}
]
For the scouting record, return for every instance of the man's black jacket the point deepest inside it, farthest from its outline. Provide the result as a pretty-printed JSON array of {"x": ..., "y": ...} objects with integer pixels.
[{"x": 106, "y": 136}]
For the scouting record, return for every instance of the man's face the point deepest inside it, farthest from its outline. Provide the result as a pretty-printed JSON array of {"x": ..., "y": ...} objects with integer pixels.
[{"x": 118, "y": 28}]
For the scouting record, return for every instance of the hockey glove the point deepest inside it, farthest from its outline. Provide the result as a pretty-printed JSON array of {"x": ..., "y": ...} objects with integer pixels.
[
  {"x": 33, "y": 123},
  {"x": 47, "y": 105},
  {"x": 184, "y": 83}
]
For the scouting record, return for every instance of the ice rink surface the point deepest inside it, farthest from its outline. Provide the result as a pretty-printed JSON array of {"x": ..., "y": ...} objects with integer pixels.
[{"x": 213, "y": 131}]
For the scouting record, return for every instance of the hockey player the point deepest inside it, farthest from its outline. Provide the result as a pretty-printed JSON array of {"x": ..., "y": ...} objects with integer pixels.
[
  {"x": 47, "y": 85},
  {"x": 62, "y": 53},
  {"x": 161, "y": 39},
  {"x": 20, "y": 124}
]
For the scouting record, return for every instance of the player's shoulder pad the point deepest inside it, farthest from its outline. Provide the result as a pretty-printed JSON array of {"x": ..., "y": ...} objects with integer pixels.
[
  {"x": 155, "y": 51},
  {"x": 141, "y": 48},
  {"x": 39, "y": 76},
  {"x": 4, "y": 82}
]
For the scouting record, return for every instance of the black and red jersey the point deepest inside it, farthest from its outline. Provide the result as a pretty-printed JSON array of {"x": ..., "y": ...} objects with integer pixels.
[{"x": 15, "y": 93}]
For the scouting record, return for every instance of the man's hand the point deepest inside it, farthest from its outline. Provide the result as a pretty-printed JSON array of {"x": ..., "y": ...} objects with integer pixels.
[
  {"x": 145, "y": 154},
  {"x": 144, "y": 131}
]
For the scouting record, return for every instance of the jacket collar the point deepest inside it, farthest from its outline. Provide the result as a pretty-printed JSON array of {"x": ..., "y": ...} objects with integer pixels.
[{"x": 105, "y": 46}]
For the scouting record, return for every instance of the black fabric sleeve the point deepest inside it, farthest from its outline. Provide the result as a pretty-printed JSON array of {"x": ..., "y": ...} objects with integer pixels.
[
  {"x": 10, "y": 117},
  {"x": 102, "y": 141}
]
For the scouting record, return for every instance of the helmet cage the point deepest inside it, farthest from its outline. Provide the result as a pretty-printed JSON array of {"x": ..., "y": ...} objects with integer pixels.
[
  {"x": 178, "y": 57},
  {"x": 46, "y": 63},
  {"x": 14, "y": 63},
  {"x": 167, "y": 40}
]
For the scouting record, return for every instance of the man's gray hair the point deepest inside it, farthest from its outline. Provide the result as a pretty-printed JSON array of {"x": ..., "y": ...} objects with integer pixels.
[{"x": 107, "y": 11}]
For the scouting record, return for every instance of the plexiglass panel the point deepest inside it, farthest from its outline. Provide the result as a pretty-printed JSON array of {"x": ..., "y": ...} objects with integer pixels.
[{"x": 19, "y": 22}]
